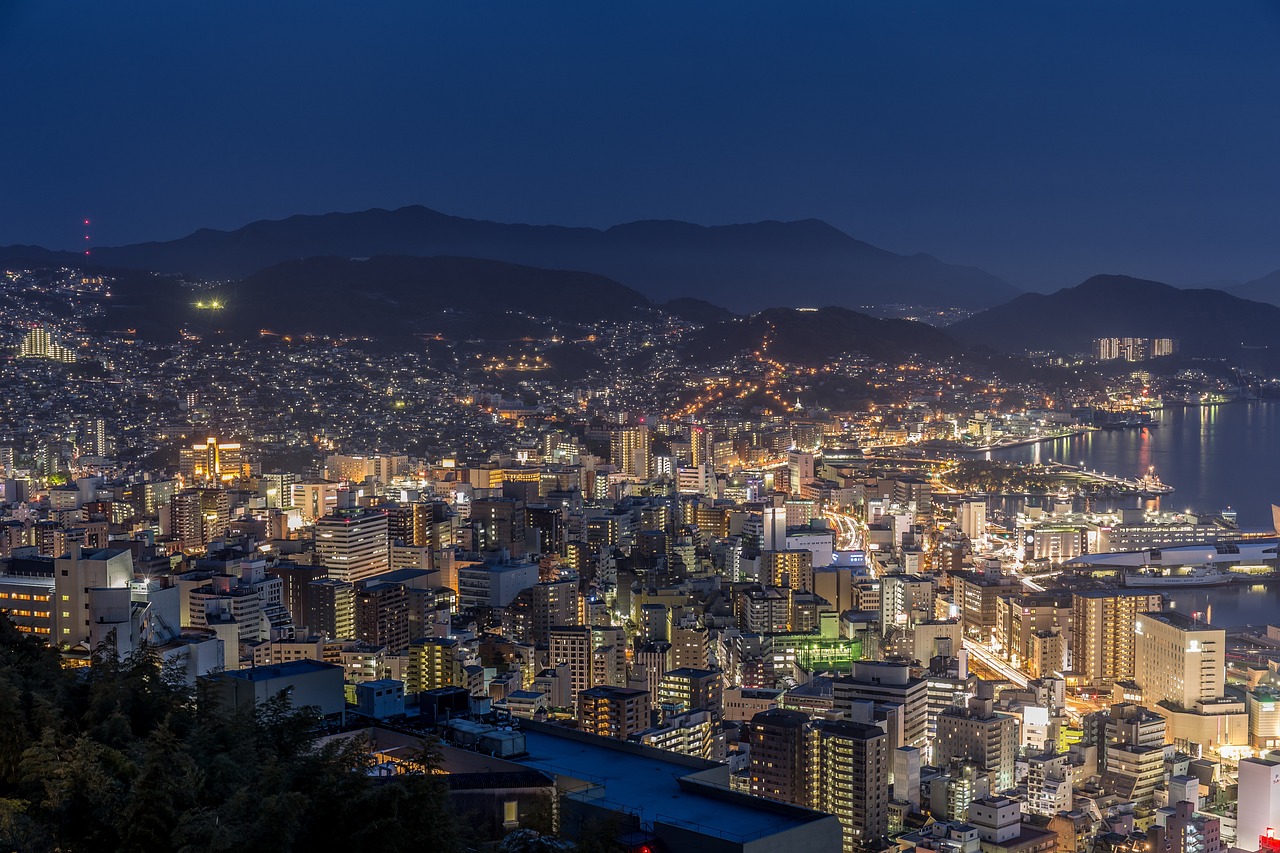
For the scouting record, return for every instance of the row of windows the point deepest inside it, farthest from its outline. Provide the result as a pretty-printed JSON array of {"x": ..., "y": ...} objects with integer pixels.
[{"x": 23, "y": 596}]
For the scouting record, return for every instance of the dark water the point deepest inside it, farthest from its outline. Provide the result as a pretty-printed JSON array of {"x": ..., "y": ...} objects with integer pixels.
[
  {"x": 1214, "y": 456},
  {"x": 1229, "y": 606}
]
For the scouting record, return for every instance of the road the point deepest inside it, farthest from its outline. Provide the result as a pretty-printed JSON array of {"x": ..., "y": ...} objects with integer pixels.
[
  {"x": 984, "y": 663},
  {"x": 850, "y": 535}
]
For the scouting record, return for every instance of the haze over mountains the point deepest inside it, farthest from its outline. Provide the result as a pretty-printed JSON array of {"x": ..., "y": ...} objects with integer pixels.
[{"x": 745, "y": 267}]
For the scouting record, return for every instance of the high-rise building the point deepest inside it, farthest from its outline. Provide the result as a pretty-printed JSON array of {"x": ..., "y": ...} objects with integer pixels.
[
  {"x": 596, "y": 655},
  {"x": 888, "y": 683},
  {"x": 536, "y": 610},
  {"x": 629, "y": 451},
  {"x": 1179, "y": 659},
  {"x": 780, "y": 756},
  {"x": 356, "y": 469},
  {"x": 432, "y": 663},
  {"x": 840, "y": 767},
  {"x": 852, "y": 779},
  {"x": 973, "y": 518},
  {"x": 352, "y": 544},
  {"x": 791, "y": 569},
  {"x": 683, "y": 690},
  {"x": 382, "y": 615},
  {"x": 1102, "y": 633},
  {"x": 1049, "y": 784},
  {"x": 212, "y": 462},
  {"x": 499, "y": 524},
  {"x": 1258, "y": 809},
  {"x": 196, "y": 517},
  {"x": 82, "y": 580},
  {"x": 979, "y": 734},
  {"x": 433, "y": 525},
  {"x": 330, "y": 609},
  {"x": 1134, "y": 753},
  {"x": 40, "y": 342},
  {"x": 616, "y": 712}
]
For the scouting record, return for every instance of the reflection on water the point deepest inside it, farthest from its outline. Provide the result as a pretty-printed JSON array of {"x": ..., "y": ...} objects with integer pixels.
[
  {"x": 1214, "y": 456},
  {"x": 1229, "y": 606}
]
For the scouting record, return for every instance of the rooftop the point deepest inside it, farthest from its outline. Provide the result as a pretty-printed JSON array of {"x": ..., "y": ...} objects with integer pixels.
[
  {"x": 280, "y": 670},
  {"x": 648, "y": 782},
  {"x": 1178, "y": 620}
]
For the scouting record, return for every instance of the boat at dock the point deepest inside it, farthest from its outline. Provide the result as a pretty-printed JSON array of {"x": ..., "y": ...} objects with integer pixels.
[{"x": 1157, "y": 578}]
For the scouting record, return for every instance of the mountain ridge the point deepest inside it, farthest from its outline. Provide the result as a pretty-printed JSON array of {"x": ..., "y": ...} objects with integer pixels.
[
  {"x": 1207, "y": 323},
  {"x": 744, "y": 266}
]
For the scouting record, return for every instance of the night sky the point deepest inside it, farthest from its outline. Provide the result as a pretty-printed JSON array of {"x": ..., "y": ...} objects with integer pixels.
[{"x": 1043, "y": 141}]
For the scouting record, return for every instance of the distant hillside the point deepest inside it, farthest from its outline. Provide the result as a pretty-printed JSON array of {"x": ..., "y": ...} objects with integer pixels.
[
  {"x": 697, "y": 310},
  {"x": 743, "y": 267},
  {"x": 1265, "y": 289},
  {"x": 1209, "y": 323},
  {"x": 388, "y": 297},
  {"x": 815, "y": 337}
]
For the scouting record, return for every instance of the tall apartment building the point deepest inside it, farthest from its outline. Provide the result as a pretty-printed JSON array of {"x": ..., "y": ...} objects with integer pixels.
[
  {"x": 683, "y": 690},
  {"x": 1133, "y": 760},
  {"x": 1179, "y": 659},
  {"x": 979, "y": 734},
  {"x": 629, "y": 451},
  {"x": 616, "y": 712},
  {"x": 1102, "y": 633},
  {"x": 537, "y": 609},
  {"x": 979, "y": 595},
  {"x": 40, "y": 342},
  {"x": 791, "y": 569},
  {"x": 432, "y": 525},
  {"x": 196, "y": 517},
  {"x": 839, "y": 767},
  {"x": 431, "y": 663},
  {"x": 329, "y": 609},
  {"x": 1049, "y": 780},
  {"x": 887, "y": 683},
  {"x": 382, "y": 615},
  {"x": 352, "y": 544},
  {"x": 355, "y": 469},
  {"x": 498, "y": 524},
  {"x": 852, "y": 779},
  {"x": 596, "y": 656}
]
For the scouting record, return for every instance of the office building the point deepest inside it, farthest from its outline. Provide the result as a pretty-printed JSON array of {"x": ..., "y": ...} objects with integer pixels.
[{"x": 352, "y": 544}]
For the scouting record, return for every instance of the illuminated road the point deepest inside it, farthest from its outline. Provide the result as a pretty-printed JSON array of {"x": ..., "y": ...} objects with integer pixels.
[
  {"x": 850, "y": 534},
  {"x": 986, "y": 659},
  {"x": 984, "y": 662}
]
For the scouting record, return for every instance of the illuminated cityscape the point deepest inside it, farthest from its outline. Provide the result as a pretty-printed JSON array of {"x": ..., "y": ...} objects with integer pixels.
[{"x": 399, "y": 529}]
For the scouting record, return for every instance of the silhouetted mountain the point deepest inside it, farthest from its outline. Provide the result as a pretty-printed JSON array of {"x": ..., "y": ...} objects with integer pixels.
[
  {"x": 816, "y": 336},
  {"x": 745, "y": 267},
  {"x": 387, "y": 297},
  {"x": 697, "y": 310},
  {"x": 1208, "y": 323},
  {"x": 1265, "y": 289}
]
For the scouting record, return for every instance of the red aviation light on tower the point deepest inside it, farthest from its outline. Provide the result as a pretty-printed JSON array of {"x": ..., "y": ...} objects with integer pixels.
[{"x": 86, "y": 236}]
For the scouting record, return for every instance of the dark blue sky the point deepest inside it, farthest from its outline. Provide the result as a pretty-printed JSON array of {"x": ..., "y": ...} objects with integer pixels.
[{"x": 1044, "y": 141}]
